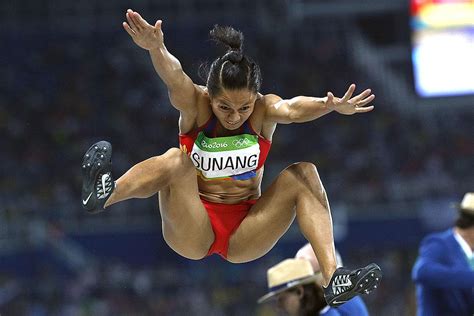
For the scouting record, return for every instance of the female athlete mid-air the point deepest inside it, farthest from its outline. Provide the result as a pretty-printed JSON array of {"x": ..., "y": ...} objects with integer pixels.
[{"x": 209, "y": 189}]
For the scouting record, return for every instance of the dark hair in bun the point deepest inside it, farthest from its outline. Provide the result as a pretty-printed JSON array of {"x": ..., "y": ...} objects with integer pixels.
[{"x": 233, "y": 70}]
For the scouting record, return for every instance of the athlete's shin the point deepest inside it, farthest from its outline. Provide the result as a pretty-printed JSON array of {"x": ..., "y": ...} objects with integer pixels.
[
  {"x": 316, "y": 225},
  {"x": 314, "y": 218},
  {"x": 148, "y": 177}
]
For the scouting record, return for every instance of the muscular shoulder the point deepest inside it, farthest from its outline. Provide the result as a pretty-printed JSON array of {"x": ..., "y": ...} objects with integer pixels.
[
  {"x": 264, "y": 103},
  {"x": 270, "y": 100},
  {"x": 204, "y": 110},
  {"x": 199, "y": 114},
  {"x": 258, "y": 119}
]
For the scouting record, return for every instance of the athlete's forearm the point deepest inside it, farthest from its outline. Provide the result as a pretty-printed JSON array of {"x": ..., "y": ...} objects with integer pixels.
[
  {"x": 167, "y": 66},
  {"x": 305, "y": 109}
]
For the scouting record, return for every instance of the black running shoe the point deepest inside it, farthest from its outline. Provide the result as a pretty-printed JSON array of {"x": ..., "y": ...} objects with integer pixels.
[
  {"x": 97, "y": 181},
  {"x": 345, "y": 284}
]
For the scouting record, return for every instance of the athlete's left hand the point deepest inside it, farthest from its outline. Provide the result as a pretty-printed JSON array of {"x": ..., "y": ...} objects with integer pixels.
[{"x": 349, "y": 105}]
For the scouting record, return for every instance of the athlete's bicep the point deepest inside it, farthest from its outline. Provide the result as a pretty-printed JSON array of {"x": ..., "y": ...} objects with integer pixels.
[{"x": 200, "y": 108}]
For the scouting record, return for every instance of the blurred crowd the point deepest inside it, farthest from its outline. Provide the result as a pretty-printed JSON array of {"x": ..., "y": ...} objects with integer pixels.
[
  {"x": 174, "y": 289},
  {"x": 118, "y": 289}
]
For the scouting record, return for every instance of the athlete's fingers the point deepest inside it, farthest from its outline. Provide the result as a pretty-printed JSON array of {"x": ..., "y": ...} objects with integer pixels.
[
  {"x": 360, "y": 96},
  {"x": 130, "y": 21},
  {"x": 141, "y": 22},
  {"x": 128, "y": 29},
  {"x": 366, "y": 100},
  {"x": 348, "y": 93},
  {"x": 136, "y": 19},
  {"x": 364, "y": 109},
  {"x": 158, "y": 25}
]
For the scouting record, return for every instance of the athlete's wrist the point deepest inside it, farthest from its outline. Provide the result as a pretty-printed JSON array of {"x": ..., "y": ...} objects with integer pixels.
[{"x": 327, "y": 105}]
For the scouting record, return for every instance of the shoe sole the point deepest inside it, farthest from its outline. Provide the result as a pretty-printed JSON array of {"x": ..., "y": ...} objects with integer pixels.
[
  {"x": 370, "y": 279},
  {"x": 91, "y": 170}
]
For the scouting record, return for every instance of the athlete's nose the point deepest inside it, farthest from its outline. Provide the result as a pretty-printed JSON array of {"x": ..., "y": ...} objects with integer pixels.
[{"x": 234, "y": 117}]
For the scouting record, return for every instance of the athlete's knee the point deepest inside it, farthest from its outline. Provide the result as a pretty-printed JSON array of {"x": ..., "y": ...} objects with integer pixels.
[
  {"x": 303, "y": 166},
  {"x": 307, "y": 174},
  {"x": 304, "y": 171},
  {"x": 174, "y": 153},
  {"x": 178, "y": 160}
]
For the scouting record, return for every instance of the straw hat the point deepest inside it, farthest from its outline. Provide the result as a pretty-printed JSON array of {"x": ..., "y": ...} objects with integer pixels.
[
  {"x": 467, "y": 203},
  {"x": 286, "y": 275}
]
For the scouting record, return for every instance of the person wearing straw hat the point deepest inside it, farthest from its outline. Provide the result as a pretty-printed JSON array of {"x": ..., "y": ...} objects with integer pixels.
[
  {"x": 296, "y": 288},
  {"x": 353, "y": 307},
  {"x": 444, "y": 270},
  {"x": 292, "y": 283}
]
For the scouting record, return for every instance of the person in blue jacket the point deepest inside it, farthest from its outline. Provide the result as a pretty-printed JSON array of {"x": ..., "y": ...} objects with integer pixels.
[
  {"x": 295, "y": 284},
  {"x": 444, "y": 270}
]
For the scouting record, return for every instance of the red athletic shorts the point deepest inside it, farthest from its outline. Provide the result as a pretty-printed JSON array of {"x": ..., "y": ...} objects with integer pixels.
[{"x": 225, "y": 218}]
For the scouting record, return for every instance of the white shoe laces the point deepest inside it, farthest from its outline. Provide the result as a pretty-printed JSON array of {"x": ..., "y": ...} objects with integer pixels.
[
  {"x": 341, "y": 283},
  {"x": 104, "y": 185}
]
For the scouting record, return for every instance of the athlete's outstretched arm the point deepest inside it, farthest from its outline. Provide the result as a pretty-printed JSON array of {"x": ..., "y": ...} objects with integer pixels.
[
  {"x": 182, "y": 90},
  {"x": 304, "y": 109}
]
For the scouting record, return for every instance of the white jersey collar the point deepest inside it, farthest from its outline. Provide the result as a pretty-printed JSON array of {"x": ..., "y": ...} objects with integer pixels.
[{"x": 464, "y": 245}]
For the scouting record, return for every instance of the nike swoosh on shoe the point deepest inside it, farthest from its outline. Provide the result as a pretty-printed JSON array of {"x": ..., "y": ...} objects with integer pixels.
[{"x": 86, "y": 200}]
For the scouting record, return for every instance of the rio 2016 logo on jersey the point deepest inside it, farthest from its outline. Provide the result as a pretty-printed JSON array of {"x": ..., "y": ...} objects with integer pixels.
[
  {"x": 214, "y": 144},
  {"x": 225, "y": 156}
]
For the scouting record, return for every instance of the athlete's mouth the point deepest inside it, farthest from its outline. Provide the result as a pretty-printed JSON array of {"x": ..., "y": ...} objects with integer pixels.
[{"x": 235, "y": 123}]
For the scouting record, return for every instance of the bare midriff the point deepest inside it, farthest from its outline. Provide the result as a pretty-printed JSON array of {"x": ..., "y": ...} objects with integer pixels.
[{"x": 231, "y": 191}]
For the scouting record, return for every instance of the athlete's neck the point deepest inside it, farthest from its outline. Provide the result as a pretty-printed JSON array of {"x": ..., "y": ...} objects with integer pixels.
[{"x": 221, "y": 131}]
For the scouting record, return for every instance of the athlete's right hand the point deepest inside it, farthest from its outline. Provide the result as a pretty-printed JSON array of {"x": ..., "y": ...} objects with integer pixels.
[{"x": 143, "y": 34}]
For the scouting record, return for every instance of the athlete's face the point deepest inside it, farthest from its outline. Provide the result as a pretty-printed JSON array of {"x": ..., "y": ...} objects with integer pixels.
[
  {"x": 233, "y": 107},
  {"x": 289, "y": 302}
]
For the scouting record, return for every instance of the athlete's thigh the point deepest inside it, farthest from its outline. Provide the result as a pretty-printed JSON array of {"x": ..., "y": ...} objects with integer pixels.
[
  {"x": 185, "y": 223},
  {"x": 266, "y": 221}
]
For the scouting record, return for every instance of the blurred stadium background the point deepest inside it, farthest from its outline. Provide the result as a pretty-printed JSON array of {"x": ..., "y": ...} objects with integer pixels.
[{"x": 70, "y": 75}]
